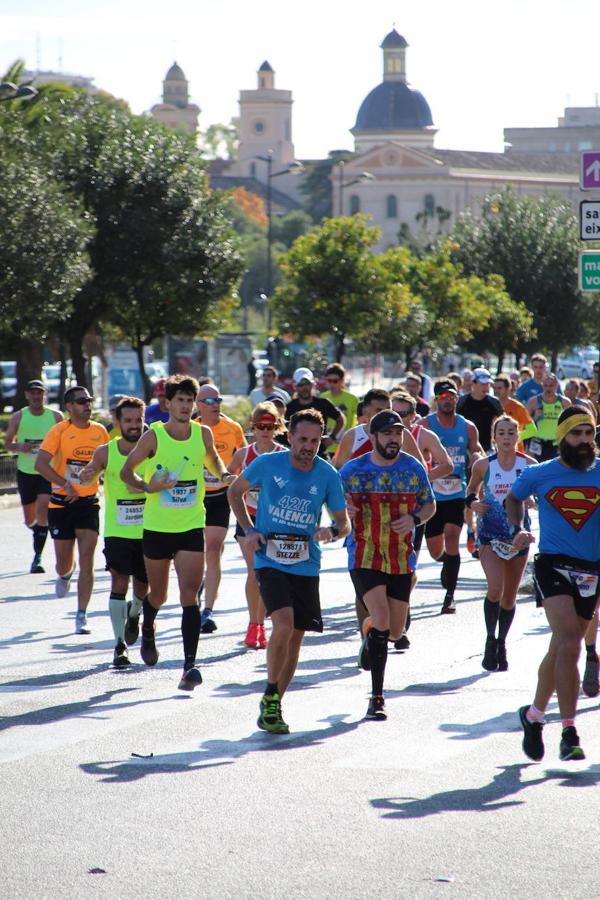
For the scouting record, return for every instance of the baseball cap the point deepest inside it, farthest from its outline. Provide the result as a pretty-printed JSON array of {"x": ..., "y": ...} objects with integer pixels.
[
  {"x": 35, "y": 383},
  {"x": 385, "y": 419},
  {"x": 275, "y": 398},
  {"x": 444, "y": 387},
  {"x": 303, "y": 374},
  {"x": 114, "y": 401},
  {"x": 159, "y": 387},
  {"x": 482, "y": 376}
]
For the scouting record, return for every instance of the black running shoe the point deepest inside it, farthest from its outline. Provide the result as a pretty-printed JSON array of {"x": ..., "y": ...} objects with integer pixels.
[
  {"x": 376, "y": 709},
  {"x": 190, "y": 679},
  {"x": 364, "y": 660},
  {"x": 443, "y": 580},
  {"x": 36, "y": 565},
  {"x": 148, "y": 650},
  {"x": 449, "y": 606},
  {"x": 569, "y": 744},
  {"x": 533, "y": 744},
  {"x": 590, "y": 678},
  {"x": 490, "y": 656},
  {"x": 207, "y": 622},
  {"x": 132, "y": 627},
  {"x": 121, "y": 659},
  {"x": 502, "y": 660},
  {"x": 403, "y": 643}
]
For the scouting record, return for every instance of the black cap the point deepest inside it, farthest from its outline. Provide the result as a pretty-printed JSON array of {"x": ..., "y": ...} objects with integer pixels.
[
  {"x": 385, "y": 419},
  {"x": 35, "y": 383},
  {"x": 444, "y": 387}
]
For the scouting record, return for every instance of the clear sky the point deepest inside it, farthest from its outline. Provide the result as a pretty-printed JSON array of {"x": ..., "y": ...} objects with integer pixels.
[{"x": 481, "y": 64}]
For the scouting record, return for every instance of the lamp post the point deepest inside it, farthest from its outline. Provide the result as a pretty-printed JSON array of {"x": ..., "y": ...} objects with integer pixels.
[
  {"x": 294, "y": 168},
  {"x": 360, "y": 179},
  {"x": 10, "y": 91}
]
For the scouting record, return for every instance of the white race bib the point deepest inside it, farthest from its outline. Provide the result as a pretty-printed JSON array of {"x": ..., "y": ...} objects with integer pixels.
[
  {"x": 503, "y": 549},
  {"x": 130, "y": 512},
  {"x": 535, "y": 447},
  {"x": 35, "y": 444},
  {"x": 183, "y": 495},
  {"x": 287, "y": 549},
  {"x": 73, "y": 469},
  {"x": 585, "y": 582},
  {"x": 446, "y": 486}
]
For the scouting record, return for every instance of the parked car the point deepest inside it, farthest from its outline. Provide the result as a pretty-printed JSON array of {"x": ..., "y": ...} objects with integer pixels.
[
  {"x": 8, "y": 383},
  {"x": 579, "y": 363},
  {"x": 51, "y": 378}
]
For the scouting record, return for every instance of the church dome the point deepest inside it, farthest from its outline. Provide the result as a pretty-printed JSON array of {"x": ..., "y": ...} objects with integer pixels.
[
  {"x": 393, "y": 106},
  {"x": 393, "y": 39},
  {"x": 175, "y": 73}
]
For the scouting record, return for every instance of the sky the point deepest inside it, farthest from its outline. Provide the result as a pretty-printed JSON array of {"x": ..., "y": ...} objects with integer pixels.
[{"x": 482, "y": 65}]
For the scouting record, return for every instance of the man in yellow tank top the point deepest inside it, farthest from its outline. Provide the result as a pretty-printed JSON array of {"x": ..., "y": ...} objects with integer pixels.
[
  {"x": 123, "y": 527},
  {"x": 174, "y": 455},
  {"x": 26, "y": 430},
  {"x": 73, "y": 512},
  {"x": 545, "y": 409}
]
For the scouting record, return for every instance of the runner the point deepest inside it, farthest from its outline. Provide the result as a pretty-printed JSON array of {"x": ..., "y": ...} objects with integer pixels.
[
  {"x": 491, "y": 479},
  {"x": 228, "y": 437},
  {"x": 269, "y": 386},
  {"x": 123, "y": 527},
  {"x": 388, "y": 495},
  {"x": 335, "y": 375},
  {"x": 532, "y": 385},
  {"x": 577, "y": 391},
  {"x": 304, "y": 384},
  {"x": 73, "y": 512},
  {"x": 545, "y": 408},
  {"x": 514, "y": 409},
  {"x": 266, "y": 423},
  {"x": 175, "y": 455},
  {"x": 566, "y": 570},
  {"x": 413, "y": 385},
  {"x": 158, "y": 410},
  {"x": 357, "y": 441},
  {"x": 294, "y": 488},
  {"x": 442, "y": 531},
  {"x": 25, "y": 432}
]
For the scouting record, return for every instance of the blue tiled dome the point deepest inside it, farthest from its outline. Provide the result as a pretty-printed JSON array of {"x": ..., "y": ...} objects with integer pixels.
[{"x": 393, "y": 106}]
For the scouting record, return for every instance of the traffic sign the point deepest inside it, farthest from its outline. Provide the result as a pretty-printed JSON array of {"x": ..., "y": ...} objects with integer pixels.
[
  {"x": 589, "y": 270},
  {"x": 589, "y": 220},
  {"x": 589, "y": 177}
]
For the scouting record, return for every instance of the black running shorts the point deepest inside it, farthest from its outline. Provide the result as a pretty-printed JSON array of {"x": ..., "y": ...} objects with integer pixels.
[
  {"x": 281, "y": 590},
  {"x": 418, "y": 538},
  {"x": 448, "y": 512},
  {"x": 64, "y": 521},
  {"x": 239, "y": 531},
  {"x": 550, "y": 582},
  {"x": 397, "y": 586},
  {"x": 217, "y": 509},
  {"x": 30, "y": 486},
  {"x": 125, "y": 556},
  {"x": 164, "y": 544}
]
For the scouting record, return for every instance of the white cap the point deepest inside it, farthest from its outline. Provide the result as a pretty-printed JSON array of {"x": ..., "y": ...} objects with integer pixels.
[
  {"x": 303, "y": 374},
  {"x": 482, "y": 376}
]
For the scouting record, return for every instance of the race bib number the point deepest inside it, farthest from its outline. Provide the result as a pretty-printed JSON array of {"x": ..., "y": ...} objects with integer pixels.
[
  {"x": 73, "y": 470},
  {"x": 34, "y": 443},
  {"x": 535, "y": 447},
  {"x": 446, "y": 486},
  {"x": 211, "y": 481},
  {"x": 503, "y": 549},
  {"x": 287, "y": 549},
  {"x": 130, "y": 512},
  {"x": 585, "y": 582},
  {"x": 183, "y": 495}
]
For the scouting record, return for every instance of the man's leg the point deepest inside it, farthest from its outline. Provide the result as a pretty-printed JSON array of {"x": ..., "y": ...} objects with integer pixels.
[
  {"x": 64, "y": 551},
  {"x": 282, "y": 657},
  {"x": 40, "y": 531},
  {"x": 590, "y": 676},
  {"x": 290, "y": 663},
  {"x": 86, "y": 546},
  {"x": 117, "y": 608},
  {"x": 158, "y": 583},
  {"x": 450, "y": 565},
  {"x": 214, "y": 537},
  {"x": 189, "y": 566}
]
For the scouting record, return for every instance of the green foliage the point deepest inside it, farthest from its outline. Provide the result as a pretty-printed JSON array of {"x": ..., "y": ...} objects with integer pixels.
[
  {"x": 286, "y": 229},
  {"x": 240, "y": 411},
  {"x": 431, "y": 226},
  {"x": 317, "y": 185},
  {"x": 220, "y": 140}
]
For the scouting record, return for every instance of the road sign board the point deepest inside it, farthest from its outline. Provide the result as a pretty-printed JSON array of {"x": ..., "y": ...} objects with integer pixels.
[
  {"x": 589, "y": 220},
  {"x": 589, "y": 270},
  {"x": 589, "y": 177}
]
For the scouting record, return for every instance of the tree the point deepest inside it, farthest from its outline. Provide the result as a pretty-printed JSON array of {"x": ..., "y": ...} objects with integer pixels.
[
  {"x": 509, "y": 325},
  {"x": 318, "y": 187},
  {"x": 533, "y": 244},
  {"x": 431, "y": 226},
  {"x": 220, "y": 140}
]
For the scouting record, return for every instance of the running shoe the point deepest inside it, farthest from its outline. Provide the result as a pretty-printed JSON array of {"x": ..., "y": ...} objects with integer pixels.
[
  {"x": 132, "y": 627},
  {"x": 590, "y": 678},
  {"x": 190, "y": 679},
  {"x": 403, "y": 643},
  {"x": 148, "y": 650},
  {"x": 448, "y": 606},
  {"x": 251, "y": 639},
  {"x": 502, "y": 660},
  {"x": 569, "y": 744},
  {"x": 364, "y": 661},
  {"x": 490, "y": 656},
  {"x": 471, "y": 542},
  {"x": 261, "y": 635},
  {"x": 36, "y": 566},
  {"x": 121, "y": 659},
  {"x": 62, "y": 585},
  {"x": 533, "y": 744},
  {"x": 81, "y": 623},
  {"x": 270, "y": 718},
  {"x": 207, "y": 623},
  {"x": 376, "y": 709}
]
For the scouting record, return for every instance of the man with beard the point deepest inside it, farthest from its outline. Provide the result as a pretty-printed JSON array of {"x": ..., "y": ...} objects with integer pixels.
[
  {"x": 304, "y": 384},
  {"x": 294, "y": 487},
  {"x": 389, "y": 495},
  {"x": 566, "y": 570},
  {"x": 123, "y": 527}
]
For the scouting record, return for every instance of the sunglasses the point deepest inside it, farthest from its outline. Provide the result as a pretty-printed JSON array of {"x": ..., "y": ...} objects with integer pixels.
[
  {"x": 304, "y": 383},
  {"x": 82, "y": 401},
  {"x": 403, "y": 413},
  {"x": 260, "y": 427},
  {"x": 447, "y": 396},
  {"x": 212, "y": 401}
]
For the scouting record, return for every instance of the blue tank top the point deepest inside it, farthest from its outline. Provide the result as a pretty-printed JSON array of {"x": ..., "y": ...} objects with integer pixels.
[
  {"x": 498, "y": 482},
  {"x": 456, "y": 442}
]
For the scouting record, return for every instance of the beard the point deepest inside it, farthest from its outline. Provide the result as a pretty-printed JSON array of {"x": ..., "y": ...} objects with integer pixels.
[
  {"x": 132, "y": 437},
  {"x": 580, "y": 457},
  {"x": 389, "y": 452}
]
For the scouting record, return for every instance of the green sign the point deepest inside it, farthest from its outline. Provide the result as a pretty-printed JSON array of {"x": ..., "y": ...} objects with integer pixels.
[{"x": 589, "y": 270}]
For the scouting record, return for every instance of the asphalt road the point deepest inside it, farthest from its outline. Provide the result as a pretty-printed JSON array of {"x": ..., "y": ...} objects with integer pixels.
[{"x": 117, "y": 784}]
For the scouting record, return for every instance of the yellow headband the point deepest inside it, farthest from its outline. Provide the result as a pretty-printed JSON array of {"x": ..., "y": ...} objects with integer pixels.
[{"x": 572, "y": 422}]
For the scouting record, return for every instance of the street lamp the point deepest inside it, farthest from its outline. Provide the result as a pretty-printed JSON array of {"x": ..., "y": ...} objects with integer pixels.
[
  {"x": 10, "y": 91},
  {"x": 294, "y": 168},
  {"x": 360, "y": 179}
]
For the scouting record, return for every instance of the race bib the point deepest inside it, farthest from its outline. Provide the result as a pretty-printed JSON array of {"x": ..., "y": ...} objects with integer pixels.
[
  {"x": 446, "y": 486},
  {"x": 211, "y": 481},
  {"x": 503, "y": 549},
  {"x": 73, "y": 469},
  {"x": 287, "y": 549},
  {"x": 34, "y": 443},
  {"x": 535, "y": 447},
  {"x": 130, "y": 512},
  {"x": 183, "y": 495},
  {"x": 585, "y": 582}
]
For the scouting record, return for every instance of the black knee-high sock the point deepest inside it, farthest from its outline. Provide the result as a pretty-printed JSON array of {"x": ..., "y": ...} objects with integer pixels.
[
  {"x": 490, "y": 612},
  {"x": 505, "y": 620},
  {"x": 40, "y": 533},
  {"x": 451, "y": 567},
  {"x": 190, "y": 631},
  {"x": 149, "y": 614},
  {"x": 377, "y": 643}
]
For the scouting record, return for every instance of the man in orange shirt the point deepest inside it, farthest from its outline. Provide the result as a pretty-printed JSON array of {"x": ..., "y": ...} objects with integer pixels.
[
  {"x": 514, "y": 408},
  {"x": 228, "y": 437},
  {"x": 73, "y": 512}
]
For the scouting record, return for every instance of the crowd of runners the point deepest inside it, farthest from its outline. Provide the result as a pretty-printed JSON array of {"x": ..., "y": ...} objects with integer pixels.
[{"x": 381, "y": 473}]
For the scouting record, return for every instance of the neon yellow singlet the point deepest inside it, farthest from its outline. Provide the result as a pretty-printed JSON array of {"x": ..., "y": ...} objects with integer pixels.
[
  {"x": 548, "y": 422},
  {"x": 32, "y": 429},
  {"x": 124, "y": 511},
  {"x": 182, "y": 507}
]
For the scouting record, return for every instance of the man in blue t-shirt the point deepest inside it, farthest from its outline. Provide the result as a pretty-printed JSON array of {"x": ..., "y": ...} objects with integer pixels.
[
  {"x": 294, "y": 487},
  {"x": 566, "y": 570}
]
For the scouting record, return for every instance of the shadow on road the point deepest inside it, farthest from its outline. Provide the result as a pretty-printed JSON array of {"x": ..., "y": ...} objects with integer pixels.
[{"x": 79, "y": 709}]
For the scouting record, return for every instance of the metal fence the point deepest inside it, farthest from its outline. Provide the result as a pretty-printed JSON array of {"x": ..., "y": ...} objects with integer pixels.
[{"x": 8, "y": 473}]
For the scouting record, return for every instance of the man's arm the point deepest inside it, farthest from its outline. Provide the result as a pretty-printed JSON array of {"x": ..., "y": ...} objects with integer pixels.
[
  {"x": 212, "y": 460},
  {"x": 340, "y": 530},
  {"x": 340, "y": 420},
  {"x": 409, "y": 445},
  {"x": 439, "y": 454},
  {"x": 11, "y": 432},
  {"x": 475, "y": 448},
  {"x": 344, "y": 450},
  {"x": 96, "y": 465},
  {"x": 42, "y": 465},
  {"x": 144, "y": 449},
  {"x": 406, "y": 522}
]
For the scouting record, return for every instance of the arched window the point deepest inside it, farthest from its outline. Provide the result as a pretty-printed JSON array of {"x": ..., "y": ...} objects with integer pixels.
[
  {"x": 354, "y": 204},
  {"x": 391, "y": 204},
  {"x": 252, "y": 170},
  {"x": 429, "y": 204}
]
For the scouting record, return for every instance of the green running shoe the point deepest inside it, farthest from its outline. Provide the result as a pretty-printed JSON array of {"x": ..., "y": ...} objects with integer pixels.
[{"x": 270, "y": 718}]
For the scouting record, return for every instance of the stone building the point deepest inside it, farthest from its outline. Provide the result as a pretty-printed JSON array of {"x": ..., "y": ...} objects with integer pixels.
[{"x": 176, "y": 111}]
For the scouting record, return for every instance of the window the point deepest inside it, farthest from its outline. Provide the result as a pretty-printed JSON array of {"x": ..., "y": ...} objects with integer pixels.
[
  {"x": 252, "y": 170},
  {"x": 584, "y": 145},
  {"x": 391, "y": 204},
  {"x": 429, "y": 204},
  {"x": 259, "y": 127},
  {"x": 262, "y": 82},
  {"x": 354, "y": 204}
]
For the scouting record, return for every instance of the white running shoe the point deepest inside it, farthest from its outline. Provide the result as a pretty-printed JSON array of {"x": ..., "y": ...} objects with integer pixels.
[
  {"x": 81, "y": 623},
  {"x": 62, "y": 585}
]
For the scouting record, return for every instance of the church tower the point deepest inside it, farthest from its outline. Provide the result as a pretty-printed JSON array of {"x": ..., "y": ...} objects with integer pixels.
[{"x": 176, "y": 111}]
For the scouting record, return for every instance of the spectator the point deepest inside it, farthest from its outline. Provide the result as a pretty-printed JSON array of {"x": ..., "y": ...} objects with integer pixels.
[{"x": 269, "y": 386}]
